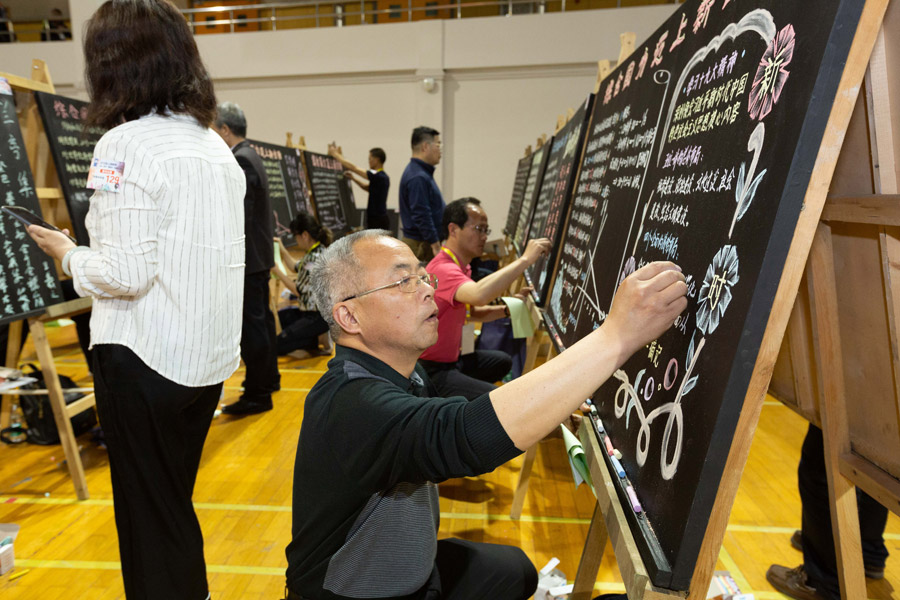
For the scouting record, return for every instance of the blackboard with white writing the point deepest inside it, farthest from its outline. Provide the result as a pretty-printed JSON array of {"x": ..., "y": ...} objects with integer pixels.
[
  {"x": 28, "y": 279},
  {"x": 518, "y": 193},
  {"x": 532, "y": 189},
  {"x": 699, "y": 151},
  {"x": 72, "y": 146},
  {"x": 288, "y": 192},
  {"x": 555, "y": 194},
  {"x": 329, "y": 191}
]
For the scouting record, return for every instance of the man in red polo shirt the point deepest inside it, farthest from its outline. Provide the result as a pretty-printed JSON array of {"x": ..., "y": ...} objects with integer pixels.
[{"x": 465, "y": 231}]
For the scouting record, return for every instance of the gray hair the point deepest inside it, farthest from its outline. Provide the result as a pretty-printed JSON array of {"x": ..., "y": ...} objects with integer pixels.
[
  {"x": 229, "y": 113},
  {"x": 336, "y": 275}
]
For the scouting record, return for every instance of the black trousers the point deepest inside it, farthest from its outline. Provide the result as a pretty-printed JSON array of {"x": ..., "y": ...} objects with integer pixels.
[
  {"x": 818, "y": 540},
  {"x": 471, "y": 376},
  {"x": 154, "y": 431},
  {"x": 258, "y": 341},
  {"x": 300, "y": 330},
  {"x": 467, "y": 570},
  {"x": 374, "y": 222}
]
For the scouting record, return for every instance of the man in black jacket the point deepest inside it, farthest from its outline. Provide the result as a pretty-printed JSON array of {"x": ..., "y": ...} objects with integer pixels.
[
  {"x": 375, "y": 440},
  {"x": 258, "y": 340}
]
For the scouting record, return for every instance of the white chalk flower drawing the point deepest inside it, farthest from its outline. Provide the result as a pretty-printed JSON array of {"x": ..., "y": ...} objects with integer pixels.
[{"x": 715, "y": 293}]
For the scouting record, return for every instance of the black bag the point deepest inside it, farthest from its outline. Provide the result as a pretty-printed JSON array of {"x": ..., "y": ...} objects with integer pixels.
[{"x": 39, "y": 416}]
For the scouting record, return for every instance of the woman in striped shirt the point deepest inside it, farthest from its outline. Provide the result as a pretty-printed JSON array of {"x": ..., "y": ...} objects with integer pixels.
[
  {"x": 165, "y": 269},
  {"x": 302, "y": 326}
]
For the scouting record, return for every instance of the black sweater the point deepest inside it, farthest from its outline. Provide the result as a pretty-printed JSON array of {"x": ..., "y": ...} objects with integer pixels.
[{"x": 372, "y": 447}]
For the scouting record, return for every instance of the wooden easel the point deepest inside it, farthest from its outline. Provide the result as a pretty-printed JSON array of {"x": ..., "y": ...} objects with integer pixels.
[
  {"x": 539, "y": 345},
  {"x": 608, "y": 522},
  {"x": 865, "y": 199},
  {"x": 44, "y": 171}
]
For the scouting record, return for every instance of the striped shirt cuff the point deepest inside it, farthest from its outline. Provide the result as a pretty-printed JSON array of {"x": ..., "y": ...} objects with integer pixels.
[{"x": 68, "y": 257}]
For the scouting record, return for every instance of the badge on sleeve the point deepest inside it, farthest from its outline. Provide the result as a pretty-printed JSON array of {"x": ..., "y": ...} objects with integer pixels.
[{"x": 105, "y": 175}]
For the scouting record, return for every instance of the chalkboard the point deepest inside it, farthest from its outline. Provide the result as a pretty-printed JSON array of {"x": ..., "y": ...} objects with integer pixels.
[
  {"x": 288, "y": 192},
  {"x": 553, "y": 199},
  {"x": 699, "y": 151},
  {"x": 532, "y": 188},
  {"x": 518, "y": 193},
  {"x": 329, "y": 191},
  {"x": 28, "y": 280},
  {"x": 72, "y": 146}
]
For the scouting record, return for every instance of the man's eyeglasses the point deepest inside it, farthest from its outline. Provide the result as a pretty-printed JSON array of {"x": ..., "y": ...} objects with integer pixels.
[
  {"x": 483, "y": 229},
  {"x": 408, "y": 284}
]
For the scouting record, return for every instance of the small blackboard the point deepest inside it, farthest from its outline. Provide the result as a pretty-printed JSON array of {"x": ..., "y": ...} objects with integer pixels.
[
  {"x": 28, "y": 279},
  {"x": 532, "y": 188},
  {"x": 699, "y": 151},
  {"x": 72, "y": 146},
  {"x": 288, "y": 192},
  {"x": 330, "y": 191},
  {"x": 518, "y": 194},
  {"x": 554, "y": 196}
]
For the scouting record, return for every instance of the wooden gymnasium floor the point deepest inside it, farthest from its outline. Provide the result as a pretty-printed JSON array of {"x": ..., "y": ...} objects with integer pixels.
[{"x": 243, "y": 499}]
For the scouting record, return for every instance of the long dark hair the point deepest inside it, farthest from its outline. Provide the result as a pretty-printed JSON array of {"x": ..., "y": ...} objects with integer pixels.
[
  {"x": 140, "y": 56},
  {"x": 306, "y": 222}
]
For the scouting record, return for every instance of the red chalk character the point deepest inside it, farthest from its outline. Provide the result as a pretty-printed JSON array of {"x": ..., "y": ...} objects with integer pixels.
[
  {"x": 679, "y": 37},
  {"x": 660, "y": 47},
  {"x": 703, "y": 14}
]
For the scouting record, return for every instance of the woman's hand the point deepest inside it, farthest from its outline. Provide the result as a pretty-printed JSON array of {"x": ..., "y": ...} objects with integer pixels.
[{"x": 52, "y": 242}]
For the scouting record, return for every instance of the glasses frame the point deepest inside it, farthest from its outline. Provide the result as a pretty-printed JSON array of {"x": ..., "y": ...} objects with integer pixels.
[
  {"x": 482, "y": 229},
  {"x": 428, "y": 279}
]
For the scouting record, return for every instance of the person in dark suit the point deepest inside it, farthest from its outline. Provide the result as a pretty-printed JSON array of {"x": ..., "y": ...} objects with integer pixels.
[{"x": 258, "y": 339}]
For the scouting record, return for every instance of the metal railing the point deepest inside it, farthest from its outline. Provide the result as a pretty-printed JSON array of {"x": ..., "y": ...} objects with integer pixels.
[
  {"x": 337, "y": 13},
  {"x": 12, "y": 32}
]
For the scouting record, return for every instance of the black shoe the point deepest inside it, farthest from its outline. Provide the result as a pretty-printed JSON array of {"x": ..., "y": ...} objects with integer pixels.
[
  {"x": 872, "y": 572},
  {"x": 248, "y": 406}
]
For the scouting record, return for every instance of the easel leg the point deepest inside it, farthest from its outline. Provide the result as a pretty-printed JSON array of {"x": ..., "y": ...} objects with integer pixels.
[
  {"x": 522, "y": 485},
  {"x": 58, "y": 404},
  {"x": 13, "y": 349},
  {"x": 835, "y": 428},
  {"x": 589, "y": 565},
  {"x": 533, "y": 347}
]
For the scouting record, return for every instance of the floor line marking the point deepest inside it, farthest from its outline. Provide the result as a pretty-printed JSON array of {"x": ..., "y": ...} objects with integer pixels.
[
  {"x": 104, "y": 502},
  {"x": 732, "y": 568}
]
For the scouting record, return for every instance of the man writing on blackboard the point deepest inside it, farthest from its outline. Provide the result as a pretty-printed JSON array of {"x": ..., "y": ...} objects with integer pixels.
[
  {"x": 421, "y": 202},
  {"x": 258, "y": 339},
  {"x": 465, "y": 230},
  {"x": 376, "y": 437},
  {"x": 375, "y": 181}
]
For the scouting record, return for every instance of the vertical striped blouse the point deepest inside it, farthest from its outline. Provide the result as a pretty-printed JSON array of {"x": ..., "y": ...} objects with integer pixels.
[{"x": 166, "y": 262}]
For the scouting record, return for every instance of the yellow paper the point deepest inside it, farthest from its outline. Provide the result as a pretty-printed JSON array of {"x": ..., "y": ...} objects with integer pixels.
[{"x": 520, "y": 317}]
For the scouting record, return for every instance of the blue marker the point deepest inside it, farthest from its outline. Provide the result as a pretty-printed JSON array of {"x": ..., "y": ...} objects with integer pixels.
[{"x": 618, "y": 467}]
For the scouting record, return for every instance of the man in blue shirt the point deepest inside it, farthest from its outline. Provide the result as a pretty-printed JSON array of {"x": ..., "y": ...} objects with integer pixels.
[{"x": 421, "y": 202}]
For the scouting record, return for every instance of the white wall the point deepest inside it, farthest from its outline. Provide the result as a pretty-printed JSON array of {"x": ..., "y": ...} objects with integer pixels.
[{"x": 501, "y": 82}]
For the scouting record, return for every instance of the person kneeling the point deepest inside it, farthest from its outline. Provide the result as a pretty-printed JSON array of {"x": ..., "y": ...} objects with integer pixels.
[
  {"x": 375, "y": 440},
  {"x": 302, "y": 325}
]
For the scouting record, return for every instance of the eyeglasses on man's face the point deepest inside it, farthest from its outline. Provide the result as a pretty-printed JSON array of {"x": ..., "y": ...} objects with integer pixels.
[
  {"x": 408, "y": 284},
  {"x": 482, "y": 229}
]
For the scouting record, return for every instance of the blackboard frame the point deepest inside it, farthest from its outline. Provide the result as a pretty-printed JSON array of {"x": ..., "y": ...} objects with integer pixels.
[
  {"x": 515, "y": 202},
  {"x": 784, "y": 254},
  {"x": 42, "y": 289},
  {"x": 523, "y": 223},
  {"x": 295, "y": 199},
  {"x": 77, "y": 197},
  {"x": 342, "y": 226},
  {"x": 547, "y": 265}
]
